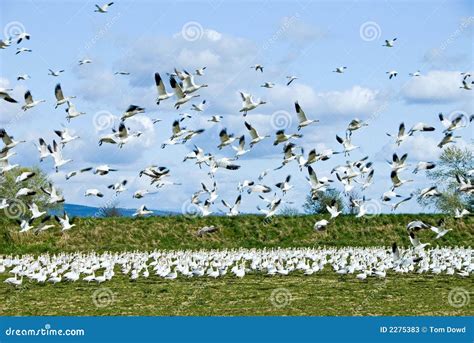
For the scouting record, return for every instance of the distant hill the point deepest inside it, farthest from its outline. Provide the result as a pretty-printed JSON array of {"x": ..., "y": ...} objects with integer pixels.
[{"x": 74, "y": 210}]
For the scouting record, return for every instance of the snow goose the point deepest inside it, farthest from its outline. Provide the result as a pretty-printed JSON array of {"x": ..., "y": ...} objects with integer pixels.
[
  {"x": 131, "y": 111},
  {"x": 224, "y": 163},
  {"x": 347, "y": 144},
  {"x": 285, "y": 185},
  {"x": 451, "y": 125},
  {"x": 459, "y": 213},
  {"x": 118, "y": 187},
  {"x": 54, "y": 196},
  {"x": 415, "y": 74},
  {"x": 396, "y": 181},
  {"x": 25, "y": 192},
  {"x": 240, "y": 149},
  {"x": 234, "y": 209},
  {"x": 198, "y": 108},
  {"x": 142, "y": 211},
  {"x": 5, "y": 96},
  {"x": 93, "y": 192},
  {"x": 60, "y": 98},
  {"x": 56, "y": 153},
  {"x": 391, "y": 74},
  {"x": 181, "y": 96},
  {"x": 268, "y": 85},
  {"x": 35, "y": 212},
  {"x": 290, "y": 79},
  {"x": 321, "y": 225},
  {"x": 248, "y": 103},
  {"x": 429, "y": 192},
  {"x": 397, "y": 204},
  {"x": 416, "y": 242},
  {"x": 225, "y": 138},
  {"x": 272, "y": 209},
  {"x": 200, "y": 71},
  {"x": 401, "y": 135},
  {"x": 21, "y": 36},
  {"x": 333, "y": 209},
  {"x": 302, "y": 119},
  {"x": 72, "y": 112},
  {"x": 23, "y": 77},
  {"x": 258, "y": 188},
  {"x": 422, "y": 127},
  {"x": 121, "y": 72},
  {"x": 257, "y": 67},
  {"x": 448, "y": 138},
  {"x": 85, "y": 61},
  {"x": 160, "y": 87},
  {"x": 189, "y": 85},
  {"x": 355, "y": 124},
  {"x": 21, "y": 50},
  {"x": 8, "y": 140},
  {"x": 254, "y": 135},
  {"x": 5, "y": 43},
  {"x": 424, "y": 166},
  {"x": 104, "y": 8},
  {"x": 43, "y": 149},
  {"x": 339, "y": 70},
  {"x": 103, "y": 169},
  {"x": 25, "y": 225},
  {"x": 389, "y": 43},
  {"x": 24, "y": 176},
  {"x": 215, "y": 119},
  {"x": 29, "y": 102},
  {"x": 281, "y": 137},
  {"x": 66, "y": 136},
  {"x": 76, "y": 172},
  {"x": 317, "y": 185},
  {"x": 439, "y": 232},
  {"x": 55, "y": 73},
  {"x": 65, "y": 222}
]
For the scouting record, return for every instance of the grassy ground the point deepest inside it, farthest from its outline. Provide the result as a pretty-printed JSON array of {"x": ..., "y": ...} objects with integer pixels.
[
  {"x": 323, "y": 293},
  {"x": 118, "y": 234}
]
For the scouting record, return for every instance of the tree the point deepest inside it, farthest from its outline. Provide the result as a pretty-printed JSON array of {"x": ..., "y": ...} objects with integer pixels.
[
  {"x": 18, "y": 207},
  {"x": 110, "y": 209},
  {"x": 289, "y": 211},
  {"x": 317, "y": 204},
  {"x": 453, "y": 161}
]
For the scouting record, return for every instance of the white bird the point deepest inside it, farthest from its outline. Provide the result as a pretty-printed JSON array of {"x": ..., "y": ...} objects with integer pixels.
[
  {"x": 424, "y": 166},
  {"x": 20, "y": 50},
  {"x": 240, "y": 149},
  {"x": 333, "y": 209},
  {"x": 25, "y": 225},
  {"x": 29, "y": 102},
  {"x": 268, "y": 85},
  {"x": 199, "y": 107},
  {"x": 103, "y": 169},
  {"x": 24, "y": 176},
  {"x": 458, "y": 214},
  {"x": 234, "y": 209},
  {"x": 21, "y": 36},
  {"x": 60, "y": 98},
  {"x": 396, "y": 181},
  {"x": 429, "y": 192},
  {"x": 121, "y": 72},
  {"x": 55, "y": 73},
  {"x": 23, "y": 77},
  {"x": 85, "y": 61},
  {"x": 56, "y": 153},
  {"x": 131, "y": 111},
  {"x": 281, "y": 137},
  {"x": 302, "y": 119},
  {"x": 189, "y": 86},
  {"x": 118, "y": 187},
  {"x": 340, "y": 70},
  {"x": 439, "y": 232},
  {"x": 142, "y": 211},
  {"x": 285, "y": 185},
  {"x": 254, "y": 135},
  {"x": 35, "y": 212},
  {"x": 451, "y": 125},
  {"x": 160, "y": 87},
  {"x": 448, "y": 138},
  {"x": 291, "y": 79},
  {"x": 272, "y": 209},
  {"x": 200, "y": 71},
  {"x": 389, "y": 43},
  {"x": 93, "y": 192},
  {"x": 416, "y": 73},
  {"x": 104, "y": 8},
  {"x": 391, "y": 73},
  {"x": 321, "y": 225},
  {"x": 65, "y": 222},
  {"x": 72, "y": 112},
  {"x": 248, "y": 103},
  {"x": 355, "y": 124},
  {"x": 225, "y": 139},
  {"x": 416, "y": 242},
  {"x": 5, "y": 43},
  {"x": 66, "y": 136},
  {"x": 215, "y": 119},
  {"x": 76, "y": 172},
  {"x": 25, "y": 191},
  {"x": 54, "y": 196},
  {"x": 8, "y": 140},
  {"x": 347, "y": 144},
  {"x": 401, "y": 135},
  {"x": 5, "y": 96},
  {"x": 181, "y": 96},
  {"x": 257, "y": 67}
]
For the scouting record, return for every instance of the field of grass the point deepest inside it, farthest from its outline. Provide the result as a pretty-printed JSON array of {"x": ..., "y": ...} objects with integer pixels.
[{"x": 323, "y": 293}]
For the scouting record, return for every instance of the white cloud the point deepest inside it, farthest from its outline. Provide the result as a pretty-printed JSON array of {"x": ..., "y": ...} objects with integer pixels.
[{"x": 435, "y": 87}]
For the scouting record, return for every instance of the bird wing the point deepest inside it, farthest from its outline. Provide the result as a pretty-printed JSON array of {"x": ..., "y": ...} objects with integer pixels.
[
  {"x": 58, "y": 93},
  {"x": 300, "y": 113}
]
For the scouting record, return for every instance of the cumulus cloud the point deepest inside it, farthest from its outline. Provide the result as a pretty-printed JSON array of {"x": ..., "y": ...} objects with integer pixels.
[{"x": 436, "y": 86}]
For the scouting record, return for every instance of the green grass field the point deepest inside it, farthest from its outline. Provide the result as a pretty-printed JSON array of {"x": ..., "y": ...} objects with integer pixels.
[{"x": 322, "y": 293}]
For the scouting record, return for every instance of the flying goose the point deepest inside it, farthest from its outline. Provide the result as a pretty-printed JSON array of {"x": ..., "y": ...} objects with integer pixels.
[
  {"x": 422, "y": 127},
  {"x": 103, "y": 169},
  {"x": 415, "y": 74},
  {"x": 291, "y": 79},
  {"x": 398, "y": 163},
  {"x": 200, "y": 71},
  {"x": 458, "y": 214},
  {"x": 302, "y": 119},
  {"x": 390, "y": 42},
  {"x": 23, "y": 77},
  {"x": 76, "y": 172},
  {"x": 401, "y": 135},
  {"x": 118, "y": 187},
  {"x": 347, "y": 144},
  {"x": 93, "y": 192},
  {"x": 429, "y": 192},
  {"x": 25, "y": 192},
  {"x": 254, "y": 135},
  {"x": 257, "y": 67},
  {"x": 248, "y": 103},
  {"x": 285, "y": 185},
  {"x": 451, "y": 125},
  {"x": 181, "y": 96},
  {"x": 131, "y": 111},
  {"x": 225, "y": 138},
  {"x": 5, "y": 43},
  {"x": 121, "y": 72},
  {"x": 189, "y": 85},
  {"x": 104, "y": 8},
  {"x": 333, "y": 209},
  {"x": 396, "y": 182},
  {"x": 55, "y": 73},
  {"x": 340, "y": 70},
  {"x": 60, "y": 98},
  {"x": 24, "y": 176},
  {"x": 57, "y": 155},
  {"x": 355, "y": 124},
  {"x": 5, "y": 96},
  {"x": 20, "y": 50},
  {"x": 424, "y": 166},
  {"x": 25, "y": 225},
  {"x": 85, "y": 61},
  {"x": 240, "y": 149},
  {"x": 72, "y": 112},
  {"x": 215, "y": 119},
  {"x": 234, "y": 209},
  {"x": 317, "y": 185},
  {"x": 281, "y": 137},
  {"x": 54, "y": 196},
  {"x": 8, "y": 140},
  {"x": 66, "y": 136},
  {"x": 448, "y": 138},
  {"x": 160, "y": 87},
  {"x": 272, "y": 210},
  {"x": 21, "y": 36},
  {"x": 198, "y": 108},
  {"x": 29, "y": 103},
  {"x": 391, "y": 73},
  {"x": 142, "y": 211},
  {"x": 416, "y": 242},
  {"x": 65, "y": 222},
  {"x": 268, "y": 85}
]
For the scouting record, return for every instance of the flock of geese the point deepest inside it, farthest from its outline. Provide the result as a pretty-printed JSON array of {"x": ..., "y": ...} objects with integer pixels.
[
  {"x": 182, "y": 88},
  {"x": 364, "y": 263}
]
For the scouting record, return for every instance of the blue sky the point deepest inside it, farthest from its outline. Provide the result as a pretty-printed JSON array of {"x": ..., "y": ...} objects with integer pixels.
[{"x": 306, "y": 39}]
